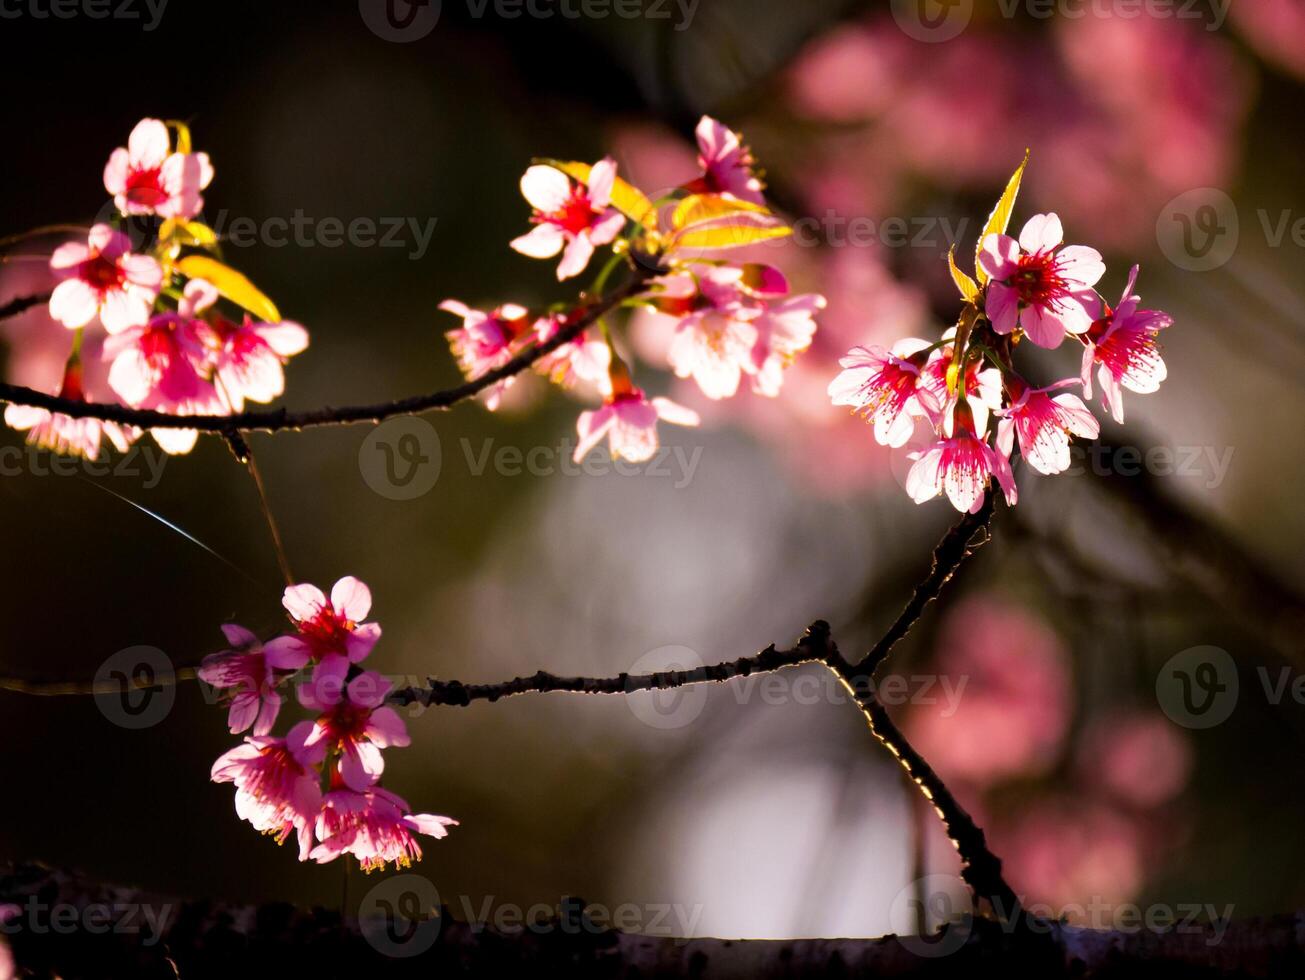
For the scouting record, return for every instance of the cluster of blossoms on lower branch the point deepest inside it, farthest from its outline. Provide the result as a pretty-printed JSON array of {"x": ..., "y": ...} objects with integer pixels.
[
  {"x": 1032, "y": 288},
  {"x": 321, "y": 782},
  {"x": 186, "y": 334},
  {"x": 732, "y": 321}
]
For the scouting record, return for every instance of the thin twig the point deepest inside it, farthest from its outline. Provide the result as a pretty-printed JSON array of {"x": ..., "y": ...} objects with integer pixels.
[
  {"x": 22, "y": 304},
  {"x": 278, "y": 545},
  {"x": 280, "y": 419}
]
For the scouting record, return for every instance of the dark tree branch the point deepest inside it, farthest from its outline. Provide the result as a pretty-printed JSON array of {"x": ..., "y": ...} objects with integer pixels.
[
  {"x": 22, "y": 304},
  {"x": 280, "y": 419}
]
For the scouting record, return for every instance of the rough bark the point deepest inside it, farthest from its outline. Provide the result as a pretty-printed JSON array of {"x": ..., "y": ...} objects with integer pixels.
[{"x": 70, "y": 926}]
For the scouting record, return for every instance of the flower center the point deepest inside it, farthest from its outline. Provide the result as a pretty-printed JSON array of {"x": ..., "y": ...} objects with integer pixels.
[
  {"x": 101, "y": 274},
  {"x": 575, "y": 215},
  {"x": 1036, "y": 281},
  {"x": 143, "y": 188}
]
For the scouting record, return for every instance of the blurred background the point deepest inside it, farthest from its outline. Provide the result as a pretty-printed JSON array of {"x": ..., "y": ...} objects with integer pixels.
[{"x": 1062, "y": 683}]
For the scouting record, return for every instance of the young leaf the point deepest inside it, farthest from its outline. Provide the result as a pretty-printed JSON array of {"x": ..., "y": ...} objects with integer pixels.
[
  {"x": 699, "y": 208},
  {"x": 626, "y": 198},
  {"x": 183, "y": 135},
  {"x": 230, "y": 284},
  {"x": 968, "y": 287},
  {"x": 182, "y": 232},
  {"x": 733, "y": 234},
  {"x": 999, "y": 220}
]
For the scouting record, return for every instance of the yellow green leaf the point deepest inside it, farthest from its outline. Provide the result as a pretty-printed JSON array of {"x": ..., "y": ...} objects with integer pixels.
[
  {"x": 626, "y": 198},
  {"x": 231, "y": 284},
  {"x": 734, "y": 234},
  {"x": 968, "y": 287},
  {"x": 698, "y": 208},
  {"x": 999, "y": 220},
  {"x": 183, "y": 135},
  {"x": 187, "y": 233}
]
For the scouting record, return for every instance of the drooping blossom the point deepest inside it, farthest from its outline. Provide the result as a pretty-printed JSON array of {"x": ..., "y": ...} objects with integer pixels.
[
  {"x": 628, "y": 420},
  {"x": 885, "y": 387},
  {"x": 1123, "y": 343},
  {"x": 727, "y": 163},
  {"x": 1038, "y": 286},
  {"x": 569, "y": 217},
  {"x": 332, "y": 631},
  {"x": 961, "y": 465},
  {"x": 277, "y": 786},
  {"x": 982, "y": 386},
  {"x": 487, "y": 341},
  {"x": 248, "y": 672},
  {"x": 104, "y": 278},
  {"x": 586, "y": 358},
  {"x": 375, "y": 826},
  {"x": 145, "y": 177},
  {"x": 715, "y": 335},
  {"x": 355, "y": 723},
  {"x": 784, "y": 331},
  {"x": 1044, "y": 423},
  {"x": 64, "y": 434}
]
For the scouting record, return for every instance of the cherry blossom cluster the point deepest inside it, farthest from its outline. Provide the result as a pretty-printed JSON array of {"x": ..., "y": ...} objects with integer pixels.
[
  {"x": 1033, "y": 288},
  {"x": 321, "y": 781},
  {"x": 171, "y": 345},
  {"x": 731, "y": 320}
]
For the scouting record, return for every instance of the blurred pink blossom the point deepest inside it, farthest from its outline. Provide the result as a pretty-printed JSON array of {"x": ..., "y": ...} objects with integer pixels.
[{"x": 1139, "y": 756}]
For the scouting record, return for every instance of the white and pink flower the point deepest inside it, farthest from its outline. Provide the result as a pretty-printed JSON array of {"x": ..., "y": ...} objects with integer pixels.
[
  {"x": 961, "y": 465},
  {"x": 1038, "y": 286},
  {"x": 103, "y": 278},
  {"x": 487, "y": 341},
  {"x": 628, "y": 420},
  {"x": 146, "y": 177},
  {"x": 355, "y": 723},
  {"x": 1124, "y": 344},
  {"x": 277, "y": 787},
  {"x": 569, "y": 217},
  {"x": 1044, "y": 423},
  {"x": 375, "y": 826},
  {"x": 727, "y": 164},
  {"x": 332, "y": 629},
  {"x": 886, "y": 387},
  {"x": 63, "y": 434},
  {"x": 249, "y": 672},
  {"x": 586, "y": 358}
]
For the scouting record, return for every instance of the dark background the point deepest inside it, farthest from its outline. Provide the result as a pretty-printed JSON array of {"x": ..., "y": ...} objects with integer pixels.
[{"x": 776, "y": 818}]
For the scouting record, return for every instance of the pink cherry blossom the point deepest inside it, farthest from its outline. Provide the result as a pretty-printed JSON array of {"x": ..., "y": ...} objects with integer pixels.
[
  {"x": 784, "y": 331},
  {"x": 715, "y": 336},
  {"x": 569, "y": 215},
  {"x": 144, "y": 177},
  {"x": 586, "y": 358},
  {"x": 355, "y": 722},
  {"x": 375, "y": 827},
  {"x": 64, "y": 434},
  {"x": 885, "y": 386},
  {"x": 277, "y": 788},
  {"x": 629, "y": 422},
  {"x": 1124, "y": 345},
  {"x": 982, "y": 386},
  {"x": 103, "y": 278},
  {"x": 249, "y": 672},
  {"x": 727, "y": 164},
  {"x": 1044, "y": 424},
  {"x": 333, "y": 628},
  {"x": 1044, "y": 291},
  {"x": 487, "y": 341},
  {"x": 960, "y": 465},
  {"x": 162, "y": 365}
]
